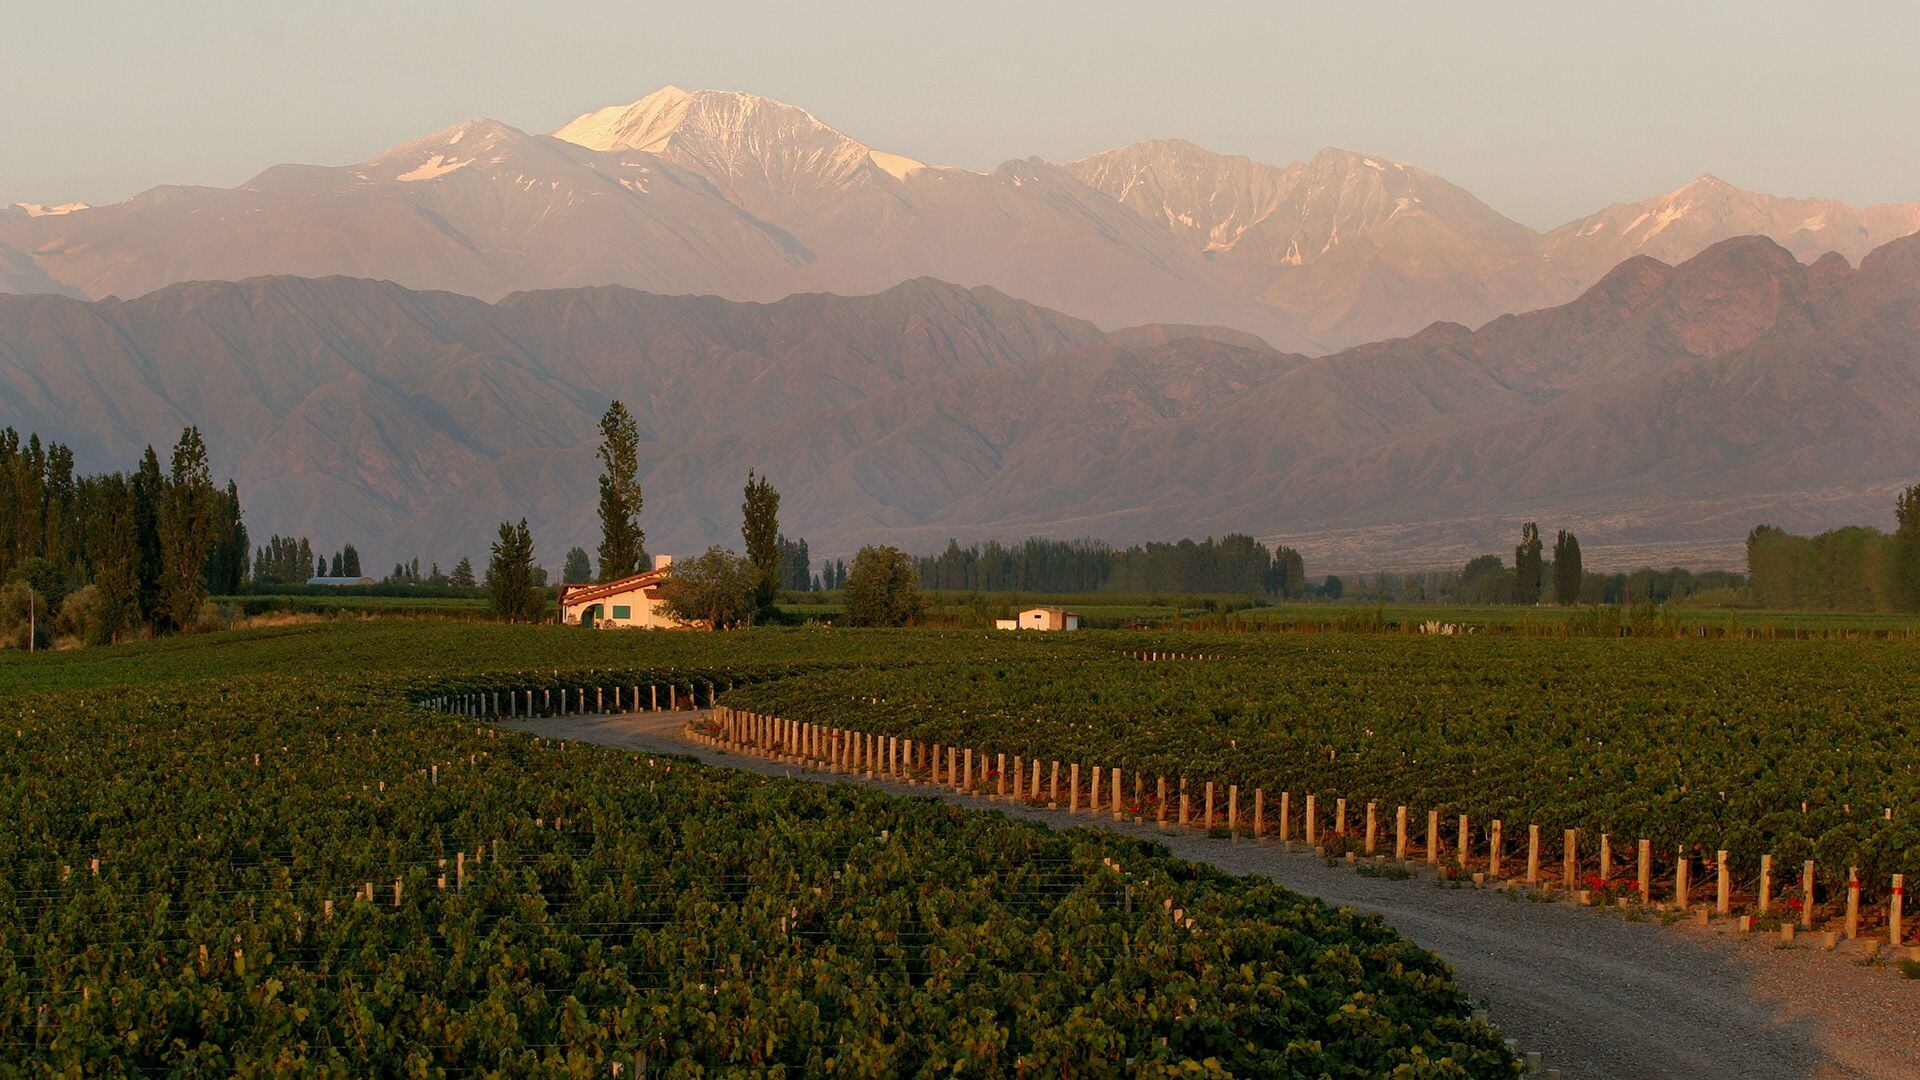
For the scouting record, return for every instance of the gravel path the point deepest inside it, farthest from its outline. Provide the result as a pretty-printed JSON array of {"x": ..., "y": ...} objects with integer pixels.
[{"x": 1595, "y": 993}]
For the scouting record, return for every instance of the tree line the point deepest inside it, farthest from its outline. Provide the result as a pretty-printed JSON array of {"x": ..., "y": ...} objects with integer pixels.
[
  {"x": 109, "y": 556},
  {"x": 1234, "y": 564},
  {"x": 1856, "y": 568}
]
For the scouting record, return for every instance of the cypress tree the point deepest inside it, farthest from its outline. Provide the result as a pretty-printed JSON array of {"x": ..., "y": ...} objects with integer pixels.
[{"x": 511, "y": 581}]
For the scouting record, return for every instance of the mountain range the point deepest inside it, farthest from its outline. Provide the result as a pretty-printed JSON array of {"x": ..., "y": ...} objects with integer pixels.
[
  {"x": 1660, "y": 413},
  {"x": 715, "y": 192}
]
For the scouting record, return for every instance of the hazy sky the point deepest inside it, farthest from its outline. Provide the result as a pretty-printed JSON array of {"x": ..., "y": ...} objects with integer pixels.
[{"x": 1545, "y": 110}]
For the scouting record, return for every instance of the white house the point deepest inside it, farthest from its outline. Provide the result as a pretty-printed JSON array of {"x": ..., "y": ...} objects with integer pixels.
[
  {"x": 627, "y": 601},
  {"x": 1041, "y": 618}
]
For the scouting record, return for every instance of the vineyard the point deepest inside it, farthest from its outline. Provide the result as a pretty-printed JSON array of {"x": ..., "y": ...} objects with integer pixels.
[
  {"x": 259, "y": 852},
  {"x": 1776, "y": 753}
]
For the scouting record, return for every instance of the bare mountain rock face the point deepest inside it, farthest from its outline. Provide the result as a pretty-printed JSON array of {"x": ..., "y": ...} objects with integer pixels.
[
  {"x": 724, "y": 193},
  {"x": 1661, "y": 414}
]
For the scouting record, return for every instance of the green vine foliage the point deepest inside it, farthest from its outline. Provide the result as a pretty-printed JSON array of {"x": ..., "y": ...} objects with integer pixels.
[
  {"x": 1712, "y": 744},
  {"x": 605, "y": 908}
]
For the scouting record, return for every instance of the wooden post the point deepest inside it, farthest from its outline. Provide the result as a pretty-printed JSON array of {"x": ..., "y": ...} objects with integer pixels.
[
  {"x": 1853, "y": 902},
  {"x": 1033, "y": 790},
  {"x": 1895, "y": 902},
  {"x": 1160, "y": 796},
  {"x": 1570, "y": 866},
  {"x": 1313, "y": 823},
  {"x": 1209, "y": 804},
  {"x": 1184, "y": 818},
  {"x": 1233, "y": 808},
  {"x": 1646, "y": 871},
  {"x": 1000, "y": 776},
  {"x": 1680, "y": 882},
  {"x": 1093, "y": 793},
  {"x": 1259, "y": 812},
  {"x": 1119, "y": 799},
  {"x": 1533, "y": 854},
  {"x": 1606, "y": 857},
  {"x": 1466, "y": 842},
  {"x": 1806, "y": 895},
  {"x": 1073, "y": 788},
  {"x": 1495, "y": 849},
  {"x": 966, "y": 778},
  {"x": 1339, "y": 817},
  {"x": 1400, "y": 833},
  {"x": 1766, "y": 883},
  {"x": 1053, "y": 787},
  {"x": 953, "y": 767},
  {"x": 1723, "y": 892},
  {"x": 460, "y": 869},
  {"x": 1372, "y": 828},
  {"x": 1433, "y": 838}
]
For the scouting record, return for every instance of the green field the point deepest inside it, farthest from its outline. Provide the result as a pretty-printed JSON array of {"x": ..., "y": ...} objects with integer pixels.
[{"x": 197, "y": 824}]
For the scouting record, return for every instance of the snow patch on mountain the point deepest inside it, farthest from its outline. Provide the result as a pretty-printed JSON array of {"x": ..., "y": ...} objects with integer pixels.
[{"x": 437, "y": 165}]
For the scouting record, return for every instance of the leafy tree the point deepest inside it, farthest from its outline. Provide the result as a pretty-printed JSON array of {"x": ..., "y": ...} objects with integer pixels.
[
  {"x": 716, "y": 589},
  {"x": 579, "y": 569},
  {"x": 1526, "y": 566},
  {"x": 462, "y": 576},
  {"x": 1906, "y": 554},
  {"x": 186, "y": 533},
  {"x": 511, "y": 582},
  {"x": 623, "y": 546},
  {"x": 1567, "y": 576},
  {"x": 882, "y": 588},
  {"x": 760, "y": 528},
  {"x": 1332, "y": 588}
]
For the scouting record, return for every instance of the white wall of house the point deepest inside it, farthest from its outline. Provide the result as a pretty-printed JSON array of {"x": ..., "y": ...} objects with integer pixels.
[{"x": 639, "y": 606}]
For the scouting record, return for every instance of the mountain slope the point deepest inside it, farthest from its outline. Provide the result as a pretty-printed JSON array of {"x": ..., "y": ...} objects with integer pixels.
[
  {"x": 1687, "y": 220},
  {"x": 1660, "y": 414},
  {"x": 1359, "y": 247},
  {"x": 343, "y": 406}
]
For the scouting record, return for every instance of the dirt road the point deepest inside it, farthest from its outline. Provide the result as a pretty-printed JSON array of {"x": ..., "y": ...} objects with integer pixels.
[{"x": 1596, "y": 994}]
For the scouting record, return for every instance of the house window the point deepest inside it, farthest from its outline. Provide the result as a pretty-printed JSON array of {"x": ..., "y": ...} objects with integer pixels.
[{"x": 622, "y": 611}]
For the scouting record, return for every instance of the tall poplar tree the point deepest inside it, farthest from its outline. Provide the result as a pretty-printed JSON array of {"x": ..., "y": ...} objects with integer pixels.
[
  {"x": 1567, "y": 572},
  {"x": 760, "y": 528},
  {"x": 186, "y": 533},
  {"x": 1526, "y": 566},
  {"x": 623, "y": 546}
]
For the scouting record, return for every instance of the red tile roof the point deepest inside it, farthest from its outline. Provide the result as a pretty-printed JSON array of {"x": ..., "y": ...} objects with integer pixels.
[{"x": 586, "y": 594}]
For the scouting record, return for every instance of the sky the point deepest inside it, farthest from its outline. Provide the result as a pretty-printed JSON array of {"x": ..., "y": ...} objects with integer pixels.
[{"x": 1546, "y": 111}]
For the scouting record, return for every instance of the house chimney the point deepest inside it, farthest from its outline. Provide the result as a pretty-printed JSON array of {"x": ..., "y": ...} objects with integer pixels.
[{"x": 661, "y": 562}]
